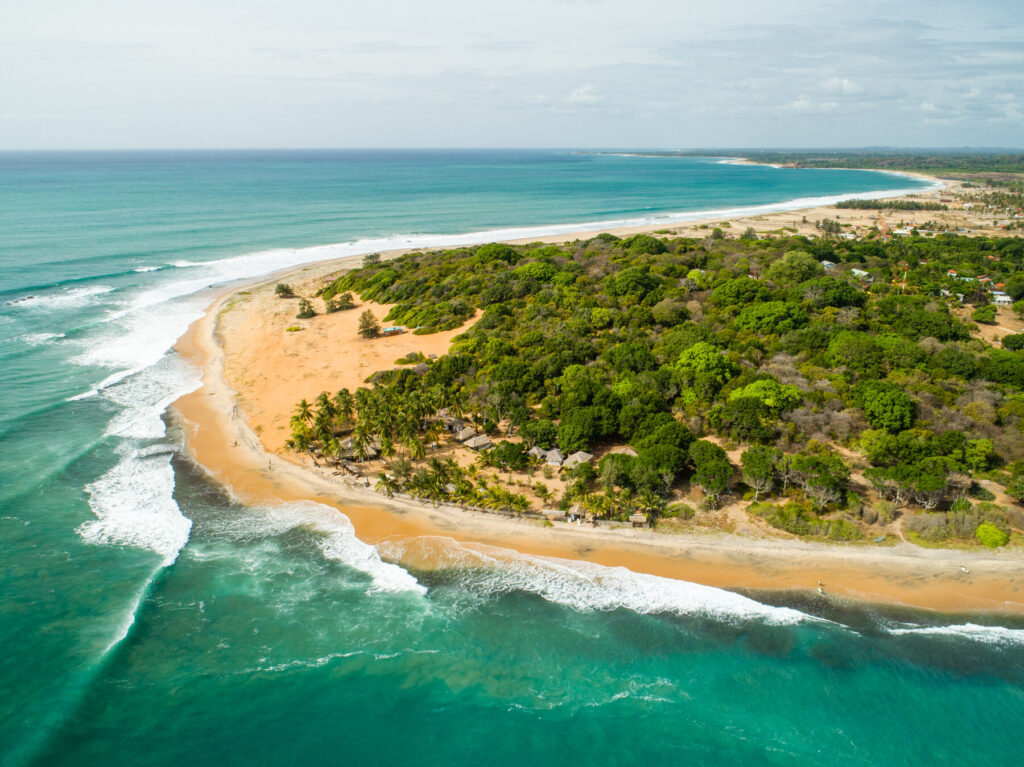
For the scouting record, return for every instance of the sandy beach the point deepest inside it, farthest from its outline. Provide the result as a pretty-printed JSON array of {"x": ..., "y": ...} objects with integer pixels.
[{"x": 254, "y": 371}]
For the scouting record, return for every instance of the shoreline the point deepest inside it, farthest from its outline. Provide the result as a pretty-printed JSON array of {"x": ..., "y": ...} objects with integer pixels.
[
  {"x": 680, "y": 221},
  {"x": 221, "y": 441}
]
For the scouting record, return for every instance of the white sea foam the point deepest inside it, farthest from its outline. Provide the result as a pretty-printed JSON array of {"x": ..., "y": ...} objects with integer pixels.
[
  {"x": 134, "y": 506},
  {"x": 62, "y": 298},
  {"x": 585, "y": 586},
  {"x": 336, "y": 539},
  {"x": 39, "y": 339},
  {"x": 145, "y": 396},
  {"x": 147, "y": 268},
  {"x": 972, "y": 631}
]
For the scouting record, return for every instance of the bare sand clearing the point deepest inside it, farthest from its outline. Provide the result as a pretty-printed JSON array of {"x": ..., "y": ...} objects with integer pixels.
[
  {"x": 254, "y": 372},
  {"x": 272, "y": 368}
]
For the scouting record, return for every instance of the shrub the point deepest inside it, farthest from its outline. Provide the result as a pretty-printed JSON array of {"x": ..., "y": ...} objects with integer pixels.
[
  {"x": 981, "y": 493},
  {"x": 986, "y": 314},
  {"x": 680, "y": 510},
  {"x": 991, "y": 536},
  {"x": 929, "y": 525},
  {"x": 792, "y": 517},
  {"x": 284, "y": 291},
  {"x": 339, "y": 303},
  {"x": 293, "y": 328},
  {"x": 412, "y": 358},
  {"x": 305, "y": 310},
  {"x": 842, "y": 530},
  {"x": 1014, "y": 342}
]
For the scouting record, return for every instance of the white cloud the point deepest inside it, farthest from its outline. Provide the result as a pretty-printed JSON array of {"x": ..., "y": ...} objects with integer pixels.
[
  {"x": 584, "y": 95},
  {"x": 841, "y": 85},
  {"x": 619, "y": 72}
]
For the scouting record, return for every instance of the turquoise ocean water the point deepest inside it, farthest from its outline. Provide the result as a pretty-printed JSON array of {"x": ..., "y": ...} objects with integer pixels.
[{"x": 147, "y": 619}]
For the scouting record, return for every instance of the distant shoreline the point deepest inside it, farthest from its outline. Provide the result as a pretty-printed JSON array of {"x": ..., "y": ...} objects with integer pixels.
[{"x": 221, "y": 439}]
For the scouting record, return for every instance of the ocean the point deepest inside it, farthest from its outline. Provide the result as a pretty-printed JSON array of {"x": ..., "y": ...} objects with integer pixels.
[{"x": 149, "y": 619}]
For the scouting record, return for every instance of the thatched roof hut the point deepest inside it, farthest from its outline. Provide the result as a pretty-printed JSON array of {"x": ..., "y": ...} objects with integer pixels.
[
  {"x": 537, "y": 452},
  {"x": 478, "y": 443},
  {"x": 554, "y": 457},
  {"x": 465, "y": 434},
  {"x": 577, "y": 459}
]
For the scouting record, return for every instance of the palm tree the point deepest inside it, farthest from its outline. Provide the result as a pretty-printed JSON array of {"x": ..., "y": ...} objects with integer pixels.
[
  {"x": 464, "y": 491},
  {"x": 387, "y": 447},
  {"x": 386, "y": 484},
  {"x": 324, "y": 404},
  {"x": 333, "y": 448},
  {"x": 361, "y": 442},
  {"x": 433, "y": 432},
  {"x": 417, "y": 450},
  {"x": 651, "y": 503},
  {"x": 402, "y": 469},
  {"x": 344, "y": 405},
  {"x": 303, "y": 411},
  {"x": 439, "y": 468}
]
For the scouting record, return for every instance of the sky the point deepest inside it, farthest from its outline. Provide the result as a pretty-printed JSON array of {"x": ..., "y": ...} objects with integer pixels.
[{"x": 138, "y": 74}]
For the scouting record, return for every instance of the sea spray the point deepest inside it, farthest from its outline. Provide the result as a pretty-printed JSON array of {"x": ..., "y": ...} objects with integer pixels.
[{"x": 580, "y": 585}]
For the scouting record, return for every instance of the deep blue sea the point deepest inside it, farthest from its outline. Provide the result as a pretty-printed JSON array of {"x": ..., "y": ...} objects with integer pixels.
[{"x": 147, "y": 619}]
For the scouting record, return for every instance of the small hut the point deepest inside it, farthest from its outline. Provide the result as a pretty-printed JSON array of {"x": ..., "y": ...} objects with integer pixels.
[
  {"x": 465, "y": 434},
  {"x": 478, "y": 443},
  {"x": 453, "y": 425},
  {"x": 554, "y": 457},
  {"x": 537, "y": 452},
  {"x": 638, "y": 520},
  {"x": 577, "y": 459}
]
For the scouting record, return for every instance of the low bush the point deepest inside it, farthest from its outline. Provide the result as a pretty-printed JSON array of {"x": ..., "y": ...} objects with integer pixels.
[
  {"x": 305, "y": 310},
  {"x": 991, "y": 536}
]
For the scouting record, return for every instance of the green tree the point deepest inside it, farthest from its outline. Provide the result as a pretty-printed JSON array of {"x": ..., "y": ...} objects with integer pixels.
[
  {"x": 306, "y": 310},
  {"x": 743, "y": 420},
  {"x": 712, "y": 469},
  {"x": 885, "y": 405},
  {"x": 368, "y": 325},
  {"x": 759, "y": 468},
  {"x": 669, "y": 311},
  {"x": 704, "y": 368},
  {"x": 771, "y": 317},
  {"x": 985, "y": 314},
  {"x": 795, "y": 267},
  {"x": 774, "y": 396}
]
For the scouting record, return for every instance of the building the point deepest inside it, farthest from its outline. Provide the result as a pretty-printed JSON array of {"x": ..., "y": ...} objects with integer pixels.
[
  {"x": 1002, "y": 300},
  {"x": 478, "y": 443},
  {"x": 465, "y": 434},
  {"x": 577, "y": 459},
  {"x": 828, "y": 266},
  {"x": 537, "y": 452},
  {"x": 555, "y": 457},
  {"x": 861, "y": 275}
]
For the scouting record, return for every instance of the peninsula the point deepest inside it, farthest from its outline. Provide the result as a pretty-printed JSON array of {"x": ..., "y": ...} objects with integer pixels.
[{"x": 831, "y": 395}]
